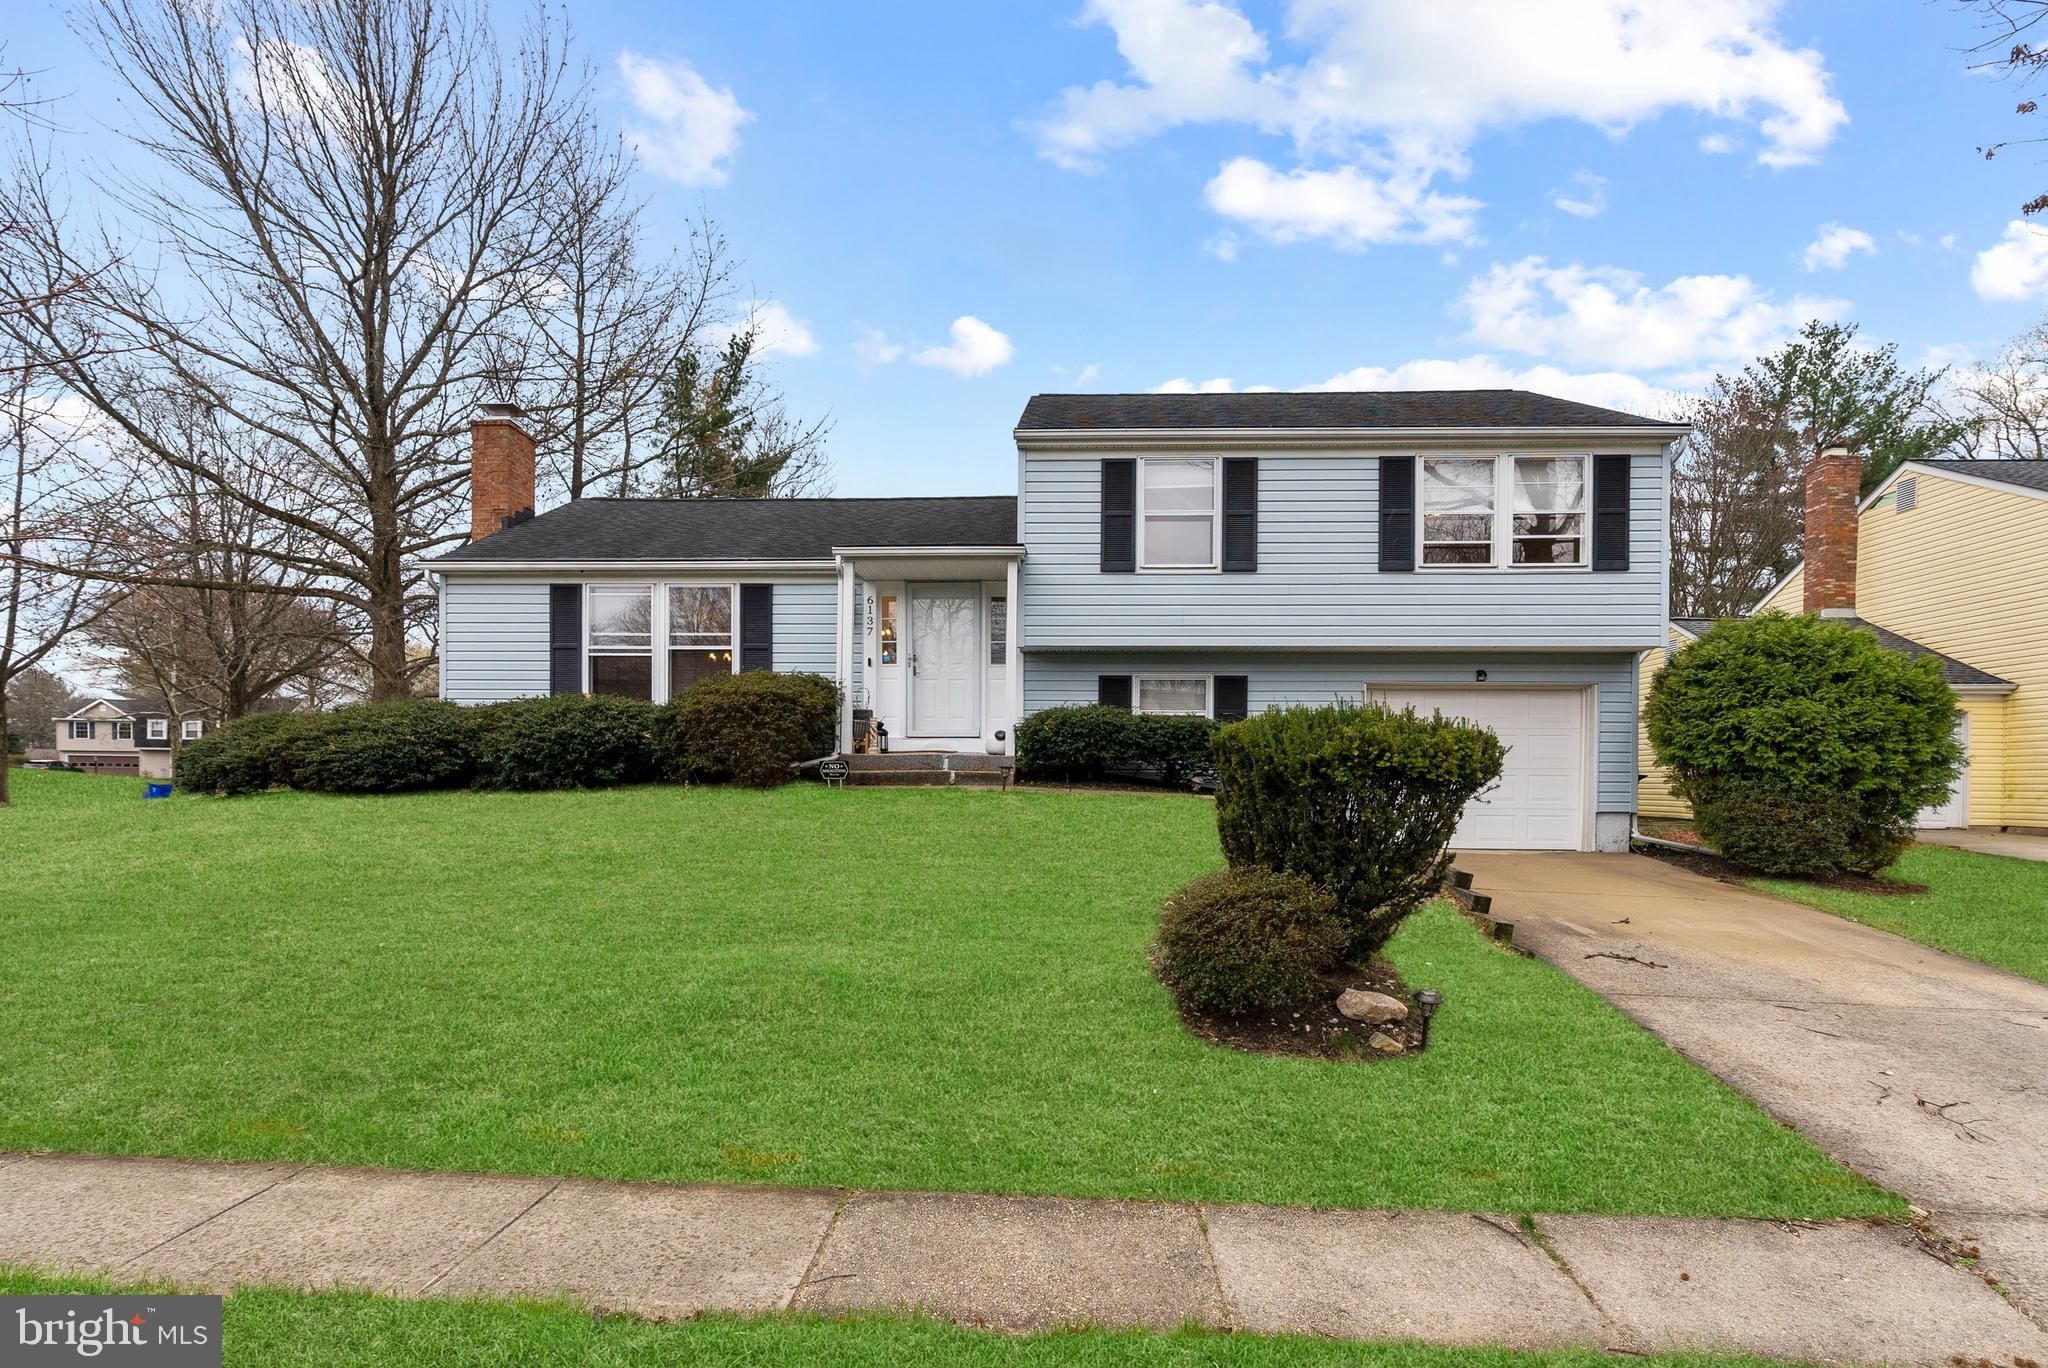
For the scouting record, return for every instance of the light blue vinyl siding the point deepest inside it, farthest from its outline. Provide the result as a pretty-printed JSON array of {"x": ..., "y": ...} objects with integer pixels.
[
  {"x": 1318, "y": 581},
  {"x": 494, "y": 640},
  {"x": 1277, "y": 680},
  {"x": 806, "y": 625}
]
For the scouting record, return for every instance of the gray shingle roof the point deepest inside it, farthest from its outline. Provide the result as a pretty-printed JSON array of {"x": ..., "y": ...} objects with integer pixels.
[
  {"x": 1958, "y": 674},
  {"x": 742, "y": 529},
  {"x": 2025, "y": 474},
  {"x": 1319, "y": 409}
]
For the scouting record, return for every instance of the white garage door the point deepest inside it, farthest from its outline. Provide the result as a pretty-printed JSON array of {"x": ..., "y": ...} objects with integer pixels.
[{"x": 1540, "y": 802}]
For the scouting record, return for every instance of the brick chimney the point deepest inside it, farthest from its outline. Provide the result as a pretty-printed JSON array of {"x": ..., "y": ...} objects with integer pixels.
[
  {"x": 1832, "y": 482},
  {"x": 500, "y": 469}
]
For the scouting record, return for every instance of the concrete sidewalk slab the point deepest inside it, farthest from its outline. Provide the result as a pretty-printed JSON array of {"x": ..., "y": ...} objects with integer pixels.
[
  {"x": 2015, "y": 1246},
  {"x": 1835, "y": 1292},
  {"x": 654, "y": 1250},
  {"x": 1014, "y": 1263},
  {"x": 1435, "y": 1276},
  {"x": 389, "y": 1232},
  {"x": 2015, "y": 845},
  {"x": 89, "y": 1213}
]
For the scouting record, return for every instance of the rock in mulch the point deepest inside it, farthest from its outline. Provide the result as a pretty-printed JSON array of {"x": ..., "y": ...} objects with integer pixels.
[
  {"x": 1385, "y": 1043},
  {"x": 1370, "y": 1008}
]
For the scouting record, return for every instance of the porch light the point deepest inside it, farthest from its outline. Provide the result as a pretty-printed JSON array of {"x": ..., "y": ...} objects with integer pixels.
[{"x": 1428, "y": 999}]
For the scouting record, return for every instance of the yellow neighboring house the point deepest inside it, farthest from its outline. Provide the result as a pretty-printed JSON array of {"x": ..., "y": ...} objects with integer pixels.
[{"x": 1946, "y": 558}]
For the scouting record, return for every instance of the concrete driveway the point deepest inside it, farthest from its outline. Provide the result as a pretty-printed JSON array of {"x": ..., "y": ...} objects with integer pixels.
[
  {"x": 2017, "y": 844},
  {"x": 1924, "y": 1072}
]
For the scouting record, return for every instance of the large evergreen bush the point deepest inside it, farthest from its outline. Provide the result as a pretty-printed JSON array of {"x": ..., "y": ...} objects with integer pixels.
[
  {"x": 1092, "y": 741},
  {"x": 748, "y": 728},
  {"x": 1808, "y": 721},
  {"x": 378, "y": 748},
  {"x": 239, "y": 757},
  {"x": 566, "y": 741},
  {"x": 1240, "y": 940},
  {"x": 1358, "y": 800}
]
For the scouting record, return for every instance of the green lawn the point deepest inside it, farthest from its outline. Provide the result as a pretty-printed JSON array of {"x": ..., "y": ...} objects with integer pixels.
[
  {"x": 267, "y": 1328},
  {"x": 1985, "y": 907},
  {"x": 935, "y": 989}
]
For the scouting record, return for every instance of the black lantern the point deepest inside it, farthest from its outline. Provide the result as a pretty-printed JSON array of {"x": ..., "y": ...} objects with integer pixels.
[
  {"x": 1428, "y": 999},
  {"x": 882, "y": 736}
]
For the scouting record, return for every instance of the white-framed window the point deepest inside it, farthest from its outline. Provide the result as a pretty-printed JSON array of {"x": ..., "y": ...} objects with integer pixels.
[
  {"x": 190, "y": 729},
  {"x": 124, "y": 731},
  {"x": 700, "y": 634},
  {"x": 998, "y": 630},
  {"x": 1177, "y": 513},
  {"x": 1176, "y": 695},
  {"x": 619, "y": 632},
  {"x": 81, "y": 731},
  {"x": 1522, "y": 512},
  {"x": 887, "y": 630},
  {"x": 158, "y": 728}
]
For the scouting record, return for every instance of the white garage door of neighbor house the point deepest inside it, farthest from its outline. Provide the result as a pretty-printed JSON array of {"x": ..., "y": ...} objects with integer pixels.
[{"x": 1540, "y": 801}]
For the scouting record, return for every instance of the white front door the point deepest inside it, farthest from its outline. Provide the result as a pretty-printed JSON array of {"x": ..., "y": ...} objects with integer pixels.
[
  {"x": 1540, "y": 801},
  {"x": 1956, "y": 811},
  {"x": 945, "y": 660}
]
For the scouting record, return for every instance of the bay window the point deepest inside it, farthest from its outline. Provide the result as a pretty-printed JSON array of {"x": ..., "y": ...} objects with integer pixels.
[
  {"x": 621, "y": 618},
  {"x": 1462, "y": 503},
  {"x": 700, "y": 640},
  {"x": 1177, "y": 514},
  {"x": 1172, "y": 695}
]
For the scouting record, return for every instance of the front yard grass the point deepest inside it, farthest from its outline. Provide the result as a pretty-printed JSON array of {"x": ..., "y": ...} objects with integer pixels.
[
  {"x": 1983, "y": 907},
  {"x": 269, "y": 1328},
  {"x": 875, "y": 989}
]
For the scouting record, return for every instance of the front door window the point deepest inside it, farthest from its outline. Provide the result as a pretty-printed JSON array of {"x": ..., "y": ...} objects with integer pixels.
[{"x": 945, "y": 659}]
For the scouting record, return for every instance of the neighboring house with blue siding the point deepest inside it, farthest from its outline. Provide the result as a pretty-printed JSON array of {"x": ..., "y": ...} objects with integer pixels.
[{"x": 1492, "y": 554}]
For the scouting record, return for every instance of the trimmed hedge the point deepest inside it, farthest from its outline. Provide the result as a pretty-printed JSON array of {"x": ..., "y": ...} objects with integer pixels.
[
  {"x": 1242, "y": 940},
  {"x": 1092, "y": 742},
  {"x": 378, "y": 748},
  {"x": 1356, "y": 799},
  {"x": 748, "y": 728},
  {"x": 1812, "y": 720},
  {"x": 240, "y": 757},
  {"x": 566, "y": 741}
]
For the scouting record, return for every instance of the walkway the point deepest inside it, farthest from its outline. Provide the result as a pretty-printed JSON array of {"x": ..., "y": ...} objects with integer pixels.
[
  {"x": 2018, "y": 845},
  {"x": 1839, "y": 1292},
  {"x": 1924, "y": 1072}
]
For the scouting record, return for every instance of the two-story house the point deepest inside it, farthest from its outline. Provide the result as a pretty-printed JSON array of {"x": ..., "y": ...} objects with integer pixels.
[
  {"x": 1496, "y": 555},
  {"x": 125, "y": 736}
]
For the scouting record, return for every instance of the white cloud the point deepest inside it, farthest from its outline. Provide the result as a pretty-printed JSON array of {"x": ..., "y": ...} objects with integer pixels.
[
  {"x": 1088, "y": 374},
  {"x": 1180, "y": 384},
  {"x": 1583, "y": 196},
  {"x": 1719, "y": 145},
  {"x": 1346, "y": 206},
  {"x": 777, "y": 332},
  {"x": 1836, "y": 244},
  {"x": 1605, "y": 316},
  {"x": 874, "y": 348},
  {"x": 686, "y": 130},
  {"x": 976, "y": 349},
  {"x": 1403, "y": 89},
  {"x": 2015, "y": 268},
  {"x": 1223, "y": 246},
  {"x": 1609, "y": 389}
]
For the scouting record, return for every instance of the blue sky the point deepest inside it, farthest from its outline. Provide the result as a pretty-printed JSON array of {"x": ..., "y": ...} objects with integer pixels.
[{"x": 1606, "y": 198}]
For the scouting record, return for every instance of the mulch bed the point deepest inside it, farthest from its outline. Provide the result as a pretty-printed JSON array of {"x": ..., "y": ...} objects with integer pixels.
[
  {"x": 1713, "y": 866},
  {"x": 1315, "y": 1029}
]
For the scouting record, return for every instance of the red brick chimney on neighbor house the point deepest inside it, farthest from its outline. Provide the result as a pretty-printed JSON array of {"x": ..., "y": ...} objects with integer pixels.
[
  {"x": 500, "y": 470},
  {"x": 1832, "y": 482}
]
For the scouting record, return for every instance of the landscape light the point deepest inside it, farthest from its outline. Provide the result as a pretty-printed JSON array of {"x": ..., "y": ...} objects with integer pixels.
[{"x": 1428, "y": 999}]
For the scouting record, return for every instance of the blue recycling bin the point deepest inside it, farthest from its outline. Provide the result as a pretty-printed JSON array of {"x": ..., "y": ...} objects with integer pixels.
[{"x": 157, "y": 791}]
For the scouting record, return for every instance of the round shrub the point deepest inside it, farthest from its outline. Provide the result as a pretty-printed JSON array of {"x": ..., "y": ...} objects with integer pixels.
[
  {"x": 748, "y": 728},
  {"x": 1357, "y": 799},
  {"x": 1243, "y": 940},
  {"x": 233, "y": 759},
  {"x": 566, "y": 741},
  {"x": 378, "y": 748},
  {"x": 1092, "y": 741},
  {"x": 1812, "y": 718}
]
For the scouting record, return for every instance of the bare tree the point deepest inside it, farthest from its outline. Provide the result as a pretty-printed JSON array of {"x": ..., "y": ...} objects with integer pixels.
[
  {"x": 353, "y": 203},
  {"x": 606, "y": 324},
  {"x": 1736, "y": 501},
  {"x": 2006, "y": 399},
  {"x": 2008, "y": 50},
  {"x": 59, "y": 506}
]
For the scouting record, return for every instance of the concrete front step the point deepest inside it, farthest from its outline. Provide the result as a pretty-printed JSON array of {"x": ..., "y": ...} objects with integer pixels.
[
  {"x": 927, "y": 778},
  {"x": 921, "y": 760}
]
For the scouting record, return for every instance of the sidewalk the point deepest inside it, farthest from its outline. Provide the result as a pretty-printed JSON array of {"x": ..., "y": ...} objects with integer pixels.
[{"x": 1839, "y": 1292}]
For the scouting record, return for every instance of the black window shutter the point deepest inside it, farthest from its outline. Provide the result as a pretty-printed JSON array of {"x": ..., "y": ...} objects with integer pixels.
[
  {"x": 1241, "y": 514},
  {"x": 1233, "y": 698},
  {"x": 757, "y": 626},
  {"x": 1113, "y": 691},
  {"x": 1397, "y": 512},
  {"x": 1610, "y": 512},
  {"x": 1119, "y": 517},
  {"x": 565, "y": 638}
]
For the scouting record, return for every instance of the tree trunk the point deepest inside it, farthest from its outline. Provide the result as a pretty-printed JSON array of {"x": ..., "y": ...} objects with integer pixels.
[{"x": 6, "y": 770}]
